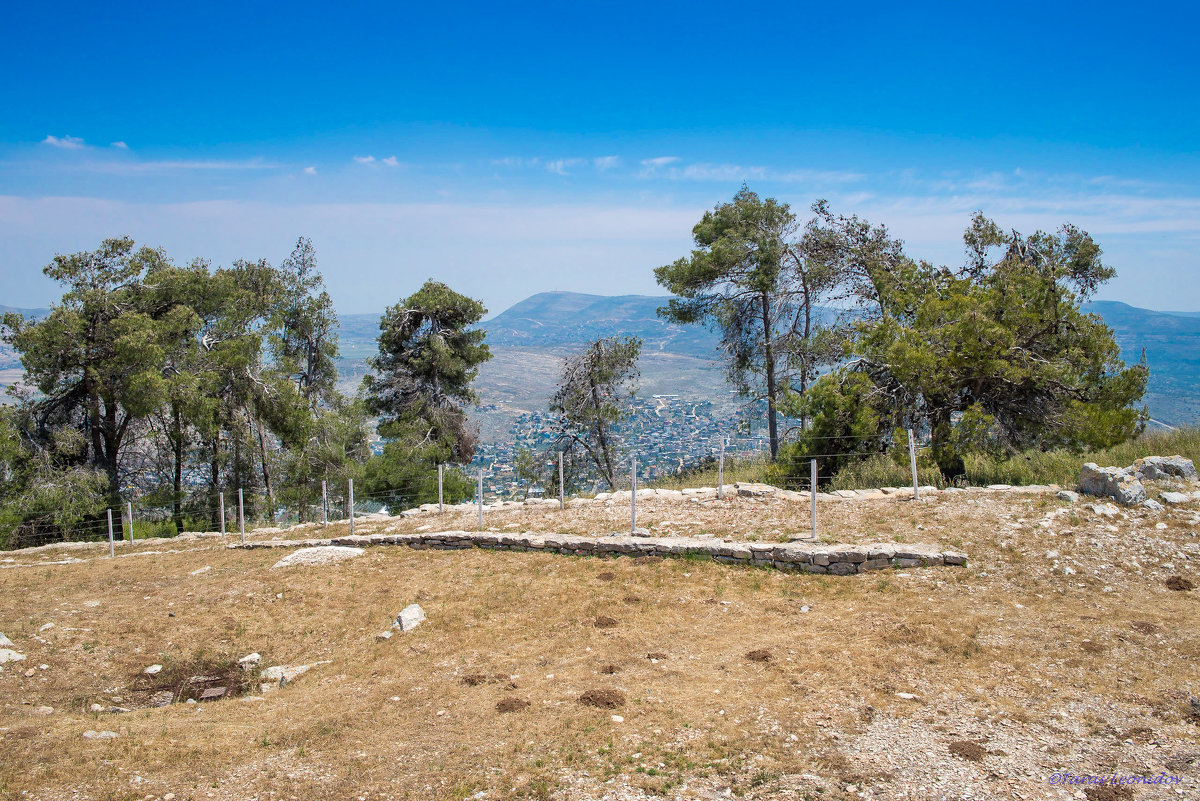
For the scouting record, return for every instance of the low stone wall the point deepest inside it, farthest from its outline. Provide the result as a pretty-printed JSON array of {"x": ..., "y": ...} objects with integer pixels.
[{"x": 840, "y": 560}]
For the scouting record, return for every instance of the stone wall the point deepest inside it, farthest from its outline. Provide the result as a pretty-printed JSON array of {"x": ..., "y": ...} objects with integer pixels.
[{"x": 803, "y": 557}]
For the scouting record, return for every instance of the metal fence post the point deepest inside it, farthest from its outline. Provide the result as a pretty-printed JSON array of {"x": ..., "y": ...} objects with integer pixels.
[
  {"x": 222, "y": 508},
  {"x": 912, "y": 458},
  {"x": 562, "y": 496},
  {"x": 441, "y": 507},
  {"x": 351, "y": 507},
  {"x": 324, "y": 504},
  {"x": 241, "y": 514},
  {"x": 812, "y": 469},
  {"x": 721, "y": 472},
  {"x": 129, "y": 509},
  {"x": 633, "y": 494},
  {"x": 481, "y": 499},
  {"x": 112, "y": 549}
]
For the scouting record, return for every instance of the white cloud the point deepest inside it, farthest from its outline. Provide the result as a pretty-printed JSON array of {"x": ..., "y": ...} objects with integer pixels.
[
  {"x": 310, "y": 170},
  {"x": 561, "y": 166},
  {"x": 391, "y": 161},
  {"x": 365, "y": 159},
  {"x": 65, "y": 142},
  {"x": 120, "y": 145},
  {"x": 124, "y": 167},
  {"x": 607, "y": 162},
  {"x": 660, "y": 161}
]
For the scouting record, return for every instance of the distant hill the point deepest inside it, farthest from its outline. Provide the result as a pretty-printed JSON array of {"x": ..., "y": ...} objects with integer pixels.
[
  {"x": 1171, "y": 341},
  {"x": 555, "y": 319}
]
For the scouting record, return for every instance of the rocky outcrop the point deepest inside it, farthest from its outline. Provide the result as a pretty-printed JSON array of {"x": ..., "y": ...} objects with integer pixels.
[
  {"x": 1118, "y": 483},
  {"x": 1164, "y": 468}
]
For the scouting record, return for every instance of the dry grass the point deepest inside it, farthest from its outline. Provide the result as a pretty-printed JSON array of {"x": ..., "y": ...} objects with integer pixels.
[{"x": 991, "y": 651}]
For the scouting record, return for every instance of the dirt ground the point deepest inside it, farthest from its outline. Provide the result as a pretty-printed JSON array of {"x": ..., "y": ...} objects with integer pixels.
[{"x": 1058, "y": 650}]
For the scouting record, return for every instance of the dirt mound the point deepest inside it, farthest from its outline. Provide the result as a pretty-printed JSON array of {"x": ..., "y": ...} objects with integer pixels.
[
  {"x": 603, "y": 698},
  {"x": 476, "y": 679},
  {"x": 968, "y": 750},
  {"x": 609, "y": 669},
  {"x": 604, "y": 622},
  {"x": 511, "y": 705},
  {"x": 1144, "y": 627},
  {"x": 631, "y": 599},
  {"x": 656, "y": 655},
  {"x": 606, "y": 576},
  {"x": 1108, "y": 793},
  {"x": 1180, "y": 584},
  {"x": 759, "y": 655}
]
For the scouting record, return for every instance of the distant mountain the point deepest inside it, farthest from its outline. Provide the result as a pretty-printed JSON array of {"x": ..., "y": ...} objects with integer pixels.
[
  {"x": 555, "y": 319},
  {"x": 1171, "y": 341},
  {"x": 34, "y": 313}
]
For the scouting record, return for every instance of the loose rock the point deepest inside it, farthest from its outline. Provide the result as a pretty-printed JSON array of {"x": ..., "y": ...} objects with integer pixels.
[{"x": 409, "y": 618}]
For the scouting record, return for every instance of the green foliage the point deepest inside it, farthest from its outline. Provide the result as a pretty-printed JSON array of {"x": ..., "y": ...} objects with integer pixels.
[
  {"x": 750, "y": 279},
  {"x": 844, "y": 423},
  {"x": 429, "y": 355},
  {"x": 996, "y": 357},
  {"x": 178, "y": 377}
]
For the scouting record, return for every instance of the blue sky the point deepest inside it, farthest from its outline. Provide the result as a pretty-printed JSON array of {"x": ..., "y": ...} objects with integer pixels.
[{"x": 514, "y": 149}]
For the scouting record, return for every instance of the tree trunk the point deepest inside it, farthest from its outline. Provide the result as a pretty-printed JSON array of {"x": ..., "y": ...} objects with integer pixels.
[
  {"x": 769, "y": 365},
  {"x": 266, "y": 471},
  {"x": 177, "y": 446},
  {"x": 216, "y": 482}
]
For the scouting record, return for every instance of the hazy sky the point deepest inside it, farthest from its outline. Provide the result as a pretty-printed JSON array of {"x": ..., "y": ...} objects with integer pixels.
[{"x": 513, "y": 149}]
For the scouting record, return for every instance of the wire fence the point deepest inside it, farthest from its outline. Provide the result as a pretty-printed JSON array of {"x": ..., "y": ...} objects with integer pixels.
[{"x": 481, "y": 487}]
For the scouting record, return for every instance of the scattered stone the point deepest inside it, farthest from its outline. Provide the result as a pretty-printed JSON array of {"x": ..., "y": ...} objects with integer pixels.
[
  {"x": 162, "y": 698},
  {"x": 1175, "y": 498},
  {"x": 153, "y": 670},
  {"x": 213, "y": 694},
  {"x": 200, "y": 570},
  {"x": 1117, "y": 483},
  {"x": 5, "y": 642},
  {"x": 968, "y": 750},
  {"x": 1068, "y": 496},
  {"x": 9, "y": 655},
  {"x": 250, "y": 661},
  {"x": 45, "y": 710},
  {"x": 1156, "y": 468},
  {"x": 1152, "y": 505},
  {"x": 383, "y": 635},
  {"x": 277, "y": 676},
  {"x": 603, "y": 698},
  {"x": 751, "y": 490},
  {"x": 100, "y": 735},
  {"x": 46, "y": 627},
  {"x": 1180, "y": 584},
  {"x": 409, "y": 618},
  {"x": 604, "y": 622},
  {"x": 95, "y": 708},
  {"x": 759, "y": 655},
  {"x": 321, "y": 555},
  {"x": 907, "y": 696},
  {"x": 511, "y": 705}
]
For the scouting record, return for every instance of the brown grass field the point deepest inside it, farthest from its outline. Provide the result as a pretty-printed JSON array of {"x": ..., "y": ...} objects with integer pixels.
[{"x": 1060, "y": 648}]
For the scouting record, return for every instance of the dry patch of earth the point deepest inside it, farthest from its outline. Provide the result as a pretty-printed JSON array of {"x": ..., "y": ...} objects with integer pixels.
[{"x": 1059, "y": 648}]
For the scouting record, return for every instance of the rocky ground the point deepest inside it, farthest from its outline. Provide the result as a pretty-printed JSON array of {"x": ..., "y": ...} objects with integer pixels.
[{"x": 1067, "y": 646}]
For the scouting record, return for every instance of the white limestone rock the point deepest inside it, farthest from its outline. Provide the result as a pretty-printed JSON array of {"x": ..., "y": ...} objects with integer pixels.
[
  {"x": 409, "y": 618},
  {"x": 1111, "y": 482},
  {"x": 321, "y": 555}
]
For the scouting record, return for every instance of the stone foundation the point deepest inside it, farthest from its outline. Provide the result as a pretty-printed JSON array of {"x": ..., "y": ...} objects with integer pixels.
[{"x": 839, "y": 560}]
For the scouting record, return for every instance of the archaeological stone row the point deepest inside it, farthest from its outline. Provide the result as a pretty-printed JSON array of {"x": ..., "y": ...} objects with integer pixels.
[{"x": 804, "y": 557}]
